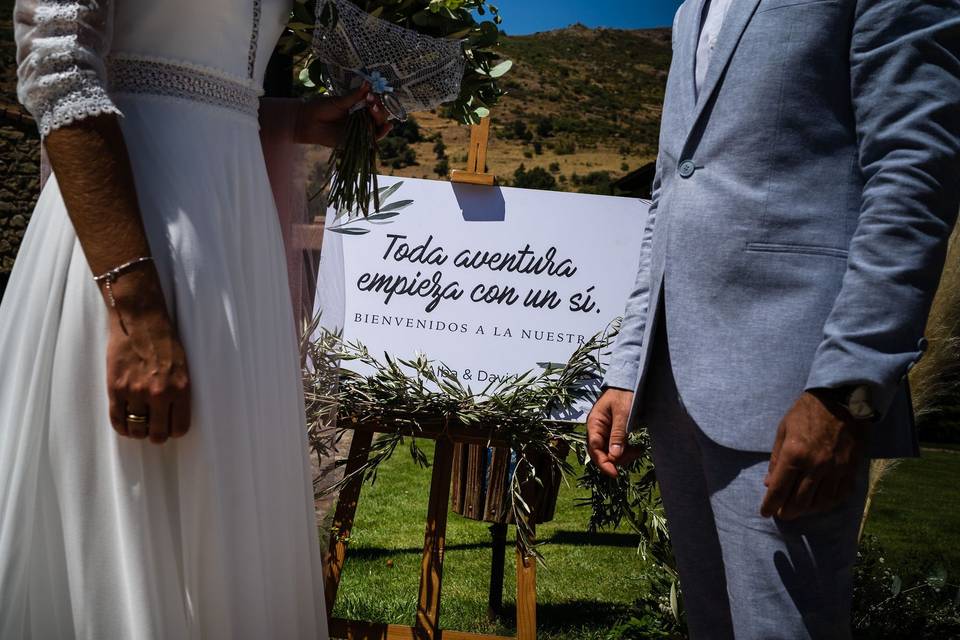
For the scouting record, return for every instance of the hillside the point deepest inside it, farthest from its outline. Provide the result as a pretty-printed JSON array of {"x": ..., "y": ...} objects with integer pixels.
[{"x": 582, "y": 100}]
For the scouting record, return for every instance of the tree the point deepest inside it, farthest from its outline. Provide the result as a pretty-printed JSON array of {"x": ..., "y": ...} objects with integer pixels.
[
  {"x": 597, "y": 182},
  {"x": 409, "y": 130},
  {"x": 545, "y": 127},
  {"x": 518, "y": 131},
  {"x": 442, "y": 167},
  {"x": 396, "y": 152},
  {"x": 536, "y": 178},
  {"x": 440, "y": 149}
]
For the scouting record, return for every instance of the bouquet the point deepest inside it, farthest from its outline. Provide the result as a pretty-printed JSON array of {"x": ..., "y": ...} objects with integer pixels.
[{"x": 415, "y": 54}]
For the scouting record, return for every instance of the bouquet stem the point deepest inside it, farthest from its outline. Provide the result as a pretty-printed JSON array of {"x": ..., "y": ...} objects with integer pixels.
[{"x": 353, "y": 167}]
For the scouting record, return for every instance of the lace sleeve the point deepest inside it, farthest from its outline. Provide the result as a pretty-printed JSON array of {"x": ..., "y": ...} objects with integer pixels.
[{"x": 61, "y": 46}]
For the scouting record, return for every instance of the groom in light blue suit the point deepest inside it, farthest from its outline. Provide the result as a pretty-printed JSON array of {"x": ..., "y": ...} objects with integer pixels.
[{"x": 807, "y": 183}]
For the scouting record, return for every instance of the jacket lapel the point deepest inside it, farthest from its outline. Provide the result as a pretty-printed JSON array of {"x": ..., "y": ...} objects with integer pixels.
[
  {"x": 688, "y": 33},
  {"x": 738, "y": 17}
]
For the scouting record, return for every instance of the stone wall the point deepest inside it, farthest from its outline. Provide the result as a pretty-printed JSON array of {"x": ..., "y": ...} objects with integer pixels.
[
  {"x": 19, "y": 157},
  {"x": 19, "y": 186}
]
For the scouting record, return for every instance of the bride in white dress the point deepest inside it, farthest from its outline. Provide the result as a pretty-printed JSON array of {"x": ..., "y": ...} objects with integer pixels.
[{"x": 154, "y": 481}]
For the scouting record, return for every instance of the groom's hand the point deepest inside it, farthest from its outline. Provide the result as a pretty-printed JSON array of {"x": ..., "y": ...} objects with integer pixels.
[
  {"x": 607, "y": 431},
  {"x": 815, "y": 459}
]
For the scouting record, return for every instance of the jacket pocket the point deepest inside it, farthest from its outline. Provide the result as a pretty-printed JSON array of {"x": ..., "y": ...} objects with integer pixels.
[
  {"x": 797, "y": 249},
  {"x": 770, "y": 5}
]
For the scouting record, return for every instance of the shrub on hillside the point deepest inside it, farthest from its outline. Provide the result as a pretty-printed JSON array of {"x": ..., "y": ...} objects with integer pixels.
[
  {"x": 565, "y": 147},
  {"x": 518, "y": 130},
  {"x": 597, "y": 182},
  {"x": 396, "y": 152},
  {"x": 545, "y": 126},
  {"x": 409, "y": 130},
  {"x": 536, "y": 178},
  {"x": 570, "y": 124}
]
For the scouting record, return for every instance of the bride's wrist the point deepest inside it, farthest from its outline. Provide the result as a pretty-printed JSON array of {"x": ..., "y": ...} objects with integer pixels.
[{"x": 135, "y": 293}]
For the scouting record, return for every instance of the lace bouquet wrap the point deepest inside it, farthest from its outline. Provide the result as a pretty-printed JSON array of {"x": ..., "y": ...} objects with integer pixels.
[{"x": 408, "y": 70}]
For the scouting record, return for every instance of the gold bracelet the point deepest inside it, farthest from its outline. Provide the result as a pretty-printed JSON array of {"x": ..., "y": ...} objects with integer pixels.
[{"x": 108, "y": 278}]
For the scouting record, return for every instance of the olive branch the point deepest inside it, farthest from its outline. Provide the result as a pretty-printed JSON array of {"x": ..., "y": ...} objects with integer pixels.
[{"x": 520, "y": 410}]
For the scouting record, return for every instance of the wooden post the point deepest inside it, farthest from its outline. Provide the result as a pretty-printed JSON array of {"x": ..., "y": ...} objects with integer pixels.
[
  {"x": 344, "y": 515},
  {"x": 526, "y": 592},
  {"x": 431, "y": 566},
  {"x": 498, "y": 532},
  {"x": 476, "y": 172}
]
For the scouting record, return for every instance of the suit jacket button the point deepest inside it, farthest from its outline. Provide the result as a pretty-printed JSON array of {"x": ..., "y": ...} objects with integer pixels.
[{"x": 687, "y": 168}]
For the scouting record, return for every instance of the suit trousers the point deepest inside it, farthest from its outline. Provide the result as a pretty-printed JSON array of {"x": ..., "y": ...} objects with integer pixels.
[{"x": 744, "y": 576}]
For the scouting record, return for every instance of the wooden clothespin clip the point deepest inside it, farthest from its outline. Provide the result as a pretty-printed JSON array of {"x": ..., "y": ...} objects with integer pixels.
[{"x": 476, "y": 158}]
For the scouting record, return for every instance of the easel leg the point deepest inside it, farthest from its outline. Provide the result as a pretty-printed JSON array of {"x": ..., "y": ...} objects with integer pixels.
[
  {"x": 431, "y": 567},
  {"x": 343, "y": 518},
  {"x": 498, "y": 531},
  {"x": 526, "y": 593}
]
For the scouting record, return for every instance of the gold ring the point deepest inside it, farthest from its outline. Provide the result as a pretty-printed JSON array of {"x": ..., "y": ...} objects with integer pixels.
[{"x": 137, "y": 419}]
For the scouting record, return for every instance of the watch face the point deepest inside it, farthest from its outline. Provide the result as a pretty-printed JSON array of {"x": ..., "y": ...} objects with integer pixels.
[{"x": 859, "y": 404}]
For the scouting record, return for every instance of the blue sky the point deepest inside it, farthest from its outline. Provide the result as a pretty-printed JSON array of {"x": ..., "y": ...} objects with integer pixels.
[{"x": 528, "y": 16}]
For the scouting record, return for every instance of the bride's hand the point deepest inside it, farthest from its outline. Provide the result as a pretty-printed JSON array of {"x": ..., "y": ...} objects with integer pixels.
[
  {"x": 323, "y": 120},
  {"x": 146, "y": 365}
]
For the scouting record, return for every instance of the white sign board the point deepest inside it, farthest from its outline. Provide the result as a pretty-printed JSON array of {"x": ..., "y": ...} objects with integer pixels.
[{"x": 489, "y": 281}]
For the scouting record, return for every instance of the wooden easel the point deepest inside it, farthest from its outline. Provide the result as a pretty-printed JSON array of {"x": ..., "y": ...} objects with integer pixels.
[
  {"x": 476, "y": 158},
  {"x": 427, "y": 624}
]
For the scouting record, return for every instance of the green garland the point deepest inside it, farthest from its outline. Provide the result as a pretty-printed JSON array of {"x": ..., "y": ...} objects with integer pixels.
[{"x": 419, "y": 392}]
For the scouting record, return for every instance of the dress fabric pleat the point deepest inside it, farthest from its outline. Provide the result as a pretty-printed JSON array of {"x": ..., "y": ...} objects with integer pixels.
[{"x": 206, "y": 537}]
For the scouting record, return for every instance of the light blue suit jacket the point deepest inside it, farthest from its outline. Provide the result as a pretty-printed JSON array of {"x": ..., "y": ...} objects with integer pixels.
[{"x": 801, "y": 211}]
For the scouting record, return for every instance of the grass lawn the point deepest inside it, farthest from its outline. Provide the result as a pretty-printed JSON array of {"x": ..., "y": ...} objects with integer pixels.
[
  {"x": 588, "y": 585},
  {"x": 915, "y": 515},
  {"x": 590, "y": 582}
]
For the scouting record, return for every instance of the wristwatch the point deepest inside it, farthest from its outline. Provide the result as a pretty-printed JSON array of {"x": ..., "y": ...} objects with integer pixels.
[{"x": 856, "y": 401}]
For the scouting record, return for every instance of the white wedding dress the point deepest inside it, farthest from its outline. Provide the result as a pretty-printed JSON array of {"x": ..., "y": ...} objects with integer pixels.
[{"x": 211, "y": 536}]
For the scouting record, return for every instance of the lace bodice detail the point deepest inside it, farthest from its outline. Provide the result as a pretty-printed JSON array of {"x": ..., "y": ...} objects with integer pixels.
[
  {"x": 61, "y": 47},
  {"x": 175, "y": 79}
]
